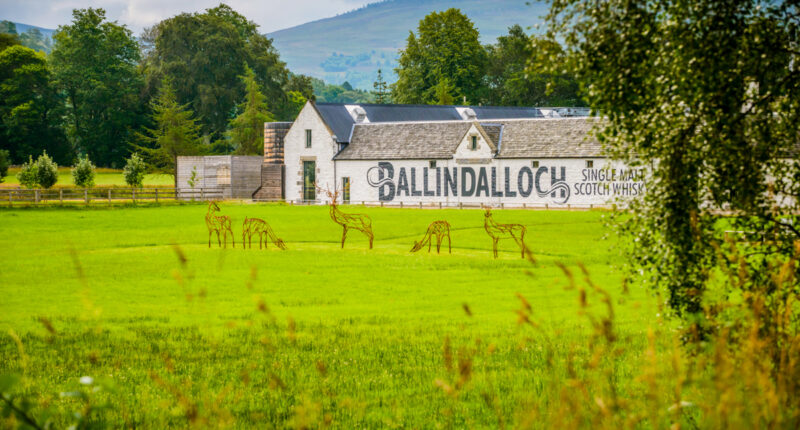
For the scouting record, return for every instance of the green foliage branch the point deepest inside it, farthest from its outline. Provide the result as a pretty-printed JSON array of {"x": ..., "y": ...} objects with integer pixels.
[
  {"x": 83, "y": 172},
  {"x": 705, "y": 95},
  {"x": 134, "y": 171}
]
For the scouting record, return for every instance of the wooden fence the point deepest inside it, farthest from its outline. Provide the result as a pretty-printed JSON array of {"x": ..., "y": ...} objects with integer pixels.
[{"x": 105, "y": 195}]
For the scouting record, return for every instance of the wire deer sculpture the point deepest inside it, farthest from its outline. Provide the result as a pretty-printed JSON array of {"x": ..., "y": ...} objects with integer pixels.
[
  {"x": 439, "y": 229},
  {"x": 219, "y": 223},
  {"x": 499, "y": 231},
  {"x": 359, "y": 222},
  {"x": 257, "y": 226}
]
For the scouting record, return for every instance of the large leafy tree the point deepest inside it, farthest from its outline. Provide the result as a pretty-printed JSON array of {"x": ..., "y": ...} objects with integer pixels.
[
  {"x": 706, "y": 94},
  {"x": 517, "y": 74},
  {"x": 176, "y": 132},
  {"x": 446, "y": 46},
  {"x": 205, "y": 53},
  {"x": 247, "y": 129},
  {"x": 30, "y": 108},
  {"x": 94, "y": 64}
]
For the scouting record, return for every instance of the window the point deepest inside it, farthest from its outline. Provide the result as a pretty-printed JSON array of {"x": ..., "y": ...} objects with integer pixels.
[
  {"x": 589, "y": 164},
  {"x": 474, "y": 144},
  {"x": 432, "y": 164},
  {"x": 308, "y": 138},
  {"x": 309, "y": 180},
  {"x": 345, "y": 190},
  {"x": 535, "y": 164}
]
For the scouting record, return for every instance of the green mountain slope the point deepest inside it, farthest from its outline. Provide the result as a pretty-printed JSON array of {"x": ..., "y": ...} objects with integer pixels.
[{"x": 352, "y": 46}]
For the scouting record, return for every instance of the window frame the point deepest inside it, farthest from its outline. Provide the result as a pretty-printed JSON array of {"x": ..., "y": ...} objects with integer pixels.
[
  {"x": 432, "y": 164},
  {"x": 308, "y": 138},
  {"x": 473, "y": 146},
  {"x": 535, "y": 164},
  {"x": 590, "y": 164}
]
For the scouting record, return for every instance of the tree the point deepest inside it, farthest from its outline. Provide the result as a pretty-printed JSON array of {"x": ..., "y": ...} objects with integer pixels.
[
  {"x": 380, "y": 93},
  {"x": 5, "y": 161},
  {"x": 94, "y": 64},
  {"x": 205, "y": 53},
  {"x": 46, "y": 171},
  {"x": 706, "y": 95},
  {"x": 443, "y": 93},
  {"x": 83, "y": 172},
  {"x": 176, "y": 133},
  {"x": 517, "y": 72},
  {"x": 27, "y": 174},
  {"x": 134, "y": 171},
  {"x": 447, "y": 46},
  {"x": 7, "y": 39},
  {"x": 247, "y": 129},
  {"x": 30, "y": 108}
]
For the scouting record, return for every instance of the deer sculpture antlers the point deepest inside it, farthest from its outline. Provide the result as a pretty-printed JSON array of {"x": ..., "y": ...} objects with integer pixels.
[
  {"x": 499, "y": 231},
  {"x": 439, "y": 229},
  {"x": 360, "y": 222},
  {"x": 219, "y": 223}
]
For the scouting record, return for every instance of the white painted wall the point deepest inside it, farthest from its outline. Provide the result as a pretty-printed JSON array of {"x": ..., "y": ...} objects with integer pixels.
[
  {"x": 599, "y": 185},
  {"x": 322, "y": 150}
]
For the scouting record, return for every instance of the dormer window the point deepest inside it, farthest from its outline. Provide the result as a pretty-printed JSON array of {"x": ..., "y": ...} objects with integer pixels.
[{"x": 474, "y": 143}]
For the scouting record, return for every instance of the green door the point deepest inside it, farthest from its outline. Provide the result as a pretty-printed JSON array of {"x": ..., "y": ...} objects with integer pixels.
[{"x": 309, "y": 180}]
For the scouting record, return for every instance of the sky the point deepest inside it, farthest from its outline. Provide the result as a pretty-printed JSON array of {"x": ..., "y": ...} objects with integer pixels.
[{"x": 271, "y": 15}]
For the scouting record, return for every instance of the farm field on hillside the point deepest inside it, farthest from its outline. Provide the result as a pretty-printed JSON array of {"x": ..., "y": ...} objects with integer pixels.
[
  {"x": 103, "y": 178},
  {"x": 313, "y": 335}
]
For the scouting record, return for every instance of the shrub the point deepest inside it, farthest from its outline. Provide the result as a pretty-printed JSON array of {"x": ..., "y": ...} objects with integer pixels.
[
  {"x": 46, "y": 171},
  {"x": 134, "y": 171},
  {"x": 4, "y": 162},
  {"x": 83, "y": 173},
  {"x": 27, "y": 174}
]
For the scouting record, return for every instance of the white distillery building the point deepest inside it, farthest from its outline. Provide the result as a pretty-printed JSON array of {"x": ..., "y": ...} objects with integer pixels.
[{"x": 448, "y": 155}]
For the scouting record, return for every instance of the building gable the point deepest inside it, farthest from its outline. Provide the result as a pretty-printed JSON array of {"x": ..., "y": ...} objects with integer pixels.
[{"x": 475, "y": 145}]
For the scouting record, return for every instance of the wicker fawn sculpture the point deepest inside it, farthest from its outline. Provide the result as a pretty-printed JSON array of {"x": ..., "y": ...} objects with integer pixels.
[
  {"x": 257, "y": 226},
  {"x": 499, "y": 231},
  {"x": 438, "y": 229},
  {"x": 359, "y": 222},
  {"x": 216, "y": 224}
]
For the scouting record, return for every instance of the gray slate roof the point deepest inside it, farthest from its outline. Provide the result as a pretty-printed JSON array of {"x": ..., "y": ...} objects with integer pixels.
[
  {"x": 397, "y": 141},
  {"x": 340, "y": 121},
  {"x": 549, "y": 138},
  {"x": 523, "y": 138}
]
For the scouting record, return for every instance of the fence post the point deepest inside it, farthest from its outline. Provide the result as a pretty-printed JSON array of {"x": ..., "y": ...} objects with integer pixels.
[
  {"x": 401, "y": 204},
  {"x": 546, "y": 206},
  {"x": 381, "y": 203},
  {"x": 35, "y": 196},
  {"x": 523, "y": 206},
  {"x": 156, "y": 195},
  {"x": 86, "y": 195},
  {"x": 461, "y": 205},
  {"x": 202, "y": 193},
  {"x": 440, "y": 205},
  {"x": 133, "y": 194},
  {"x": 502, "y": 205},
  {"x": 10, "y": 198},
  {"x": 61, "y": 196},
  {"x": 109, "y": 195}
]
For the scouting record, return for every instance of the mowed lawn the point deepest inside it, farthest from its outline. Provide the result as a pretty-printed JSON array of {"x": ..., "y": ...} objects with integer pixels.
[
  {"x": 103, "y": 178},
  {"x": 314, "y": 335}
]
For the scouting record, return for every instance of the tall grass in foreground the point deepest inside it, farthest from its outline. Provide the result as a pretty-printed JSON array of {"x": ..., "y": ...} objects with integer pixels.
[{"x": 274, "y": 373}]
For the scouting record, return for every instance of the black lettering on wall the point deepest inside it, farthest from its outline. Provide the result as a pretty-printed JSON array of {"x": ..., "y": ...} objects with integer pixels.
[
  {"x": 483, "y": 183},
  {"x": 464, "y": 172},
  {"x": 554, "y": 179},
  {"x": 450, "y": 182},
  {"x": 386, "y": 189},
  {"x": 507, "y": 182},
  {"x": 414, "y": 191},
  {"x": 438, "y": 181},
  {"x": 525, "y": 191},
  {"x": 402, "y": 182},
  {"x": 425, "y": 190},
  {"x": 495, "y": 193},
  {"x": 539, "y": 172}
]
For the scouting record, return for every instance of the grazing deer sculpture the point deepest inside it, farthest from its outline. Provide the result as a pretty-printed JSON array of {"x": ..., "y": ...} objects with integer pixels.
[
  {"x": 498, "y": 231},
  {"x": 440, "y": 229},
  {"x": 359, "y": 222},
  {"x": 257, "y": 226},
  {"x": 216, "y": 224}
]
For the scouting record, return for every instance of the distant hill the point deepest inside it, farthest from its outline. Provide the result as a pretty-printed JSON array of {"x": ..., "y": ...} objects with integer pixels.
[
  {"x": 38, "y": 38},
  {"x": 352, "y": 46}
]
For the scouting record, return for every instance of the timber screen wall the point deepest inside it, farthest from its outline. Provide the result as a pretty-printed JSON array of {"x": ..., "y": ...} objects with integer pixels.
[{"x": 238, "y": 177}]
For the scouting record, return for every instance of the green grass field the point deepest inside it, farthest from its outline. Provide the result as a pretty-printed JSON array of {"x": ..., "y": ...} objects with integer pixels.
[
  {"x": 103, "y": 178},
  {"x": 311, "y": 336}
]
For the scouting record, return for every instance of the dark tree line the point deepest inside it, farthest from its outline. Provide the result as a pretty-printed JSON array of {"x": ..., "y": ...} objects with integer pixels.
[
  {"x": 445, "y": 63},
  {"x": 94, "y": 93}
]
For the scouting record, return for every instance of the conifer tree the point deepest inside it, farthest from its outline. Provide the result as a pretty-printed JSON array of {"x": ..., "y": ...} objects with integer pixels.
[
  {"x": 381, "y": 95},
  {"x": 176, "y": 133},
  {"x": 247, "y": 129}
]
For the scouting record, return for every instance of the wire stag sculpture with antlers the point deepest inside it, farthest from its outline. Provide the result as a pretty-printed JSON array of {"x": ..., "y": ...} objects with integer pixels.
[
  {"x": 257, "y": 226},
  {"x": 219, "y": 223},
  {"x": 438, "y": 229},
  {"x": 499, "y": 231},
  {"x": 360, "y": 222}
]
